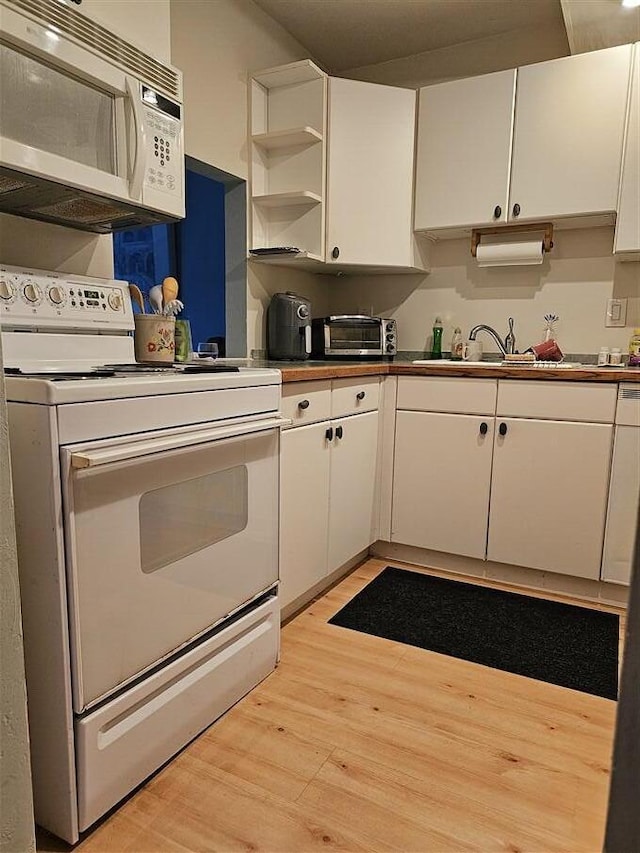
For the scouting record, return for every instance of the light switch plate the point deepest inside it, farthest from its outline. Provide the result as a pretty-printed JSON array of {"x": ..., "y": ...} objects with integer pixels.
[{"x": 616, "y": 315}]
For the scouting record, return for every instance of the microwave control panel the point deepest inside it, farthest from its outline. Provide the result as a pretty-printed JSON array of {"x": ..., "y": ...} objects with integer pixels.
[
  {"x": 164, "y": 152},
  {"x": 35, "y": 299}
]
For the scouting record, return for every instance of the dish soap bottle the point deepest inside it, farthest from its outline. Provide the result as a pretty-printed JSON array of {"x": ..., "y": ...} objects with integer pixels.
[
  {"x": 634, "y": 349},
  {"x": 436, "y": 345},
  {"x": 456, "y": 344}
]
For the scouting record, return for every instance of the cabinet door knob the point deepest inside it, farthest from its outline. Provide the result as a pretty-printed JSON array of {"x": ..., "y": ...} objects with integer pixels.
[
  {"x": 329, "y": 434},
  {"x": 484, "y": 428},
  {"x": 516, "y": 210},
  {"x": 502, "y": 429},
  {"x": 497, "y": 211},
  {"x": 361, "y": 395},
  {"x": 336, "y": 252},
  {"x": 339, "y": 432},
  {"x": 303, "y": 404}
]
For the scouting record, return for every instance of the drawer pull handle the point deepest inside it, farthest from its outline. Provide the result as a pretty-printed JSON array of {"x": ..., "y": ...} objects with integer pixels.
[
  {"x": 497, "y": 211},
  {"x": 516, "y": 210},
  {"x": 484, "y": 428},
  {"x": 339, "y": 432},
  {"x": 361, "y": 395},
  {"x": 329, "y": 434},
  {"x": 502, "y": 429},
  {"x": 303, "y": 404}
]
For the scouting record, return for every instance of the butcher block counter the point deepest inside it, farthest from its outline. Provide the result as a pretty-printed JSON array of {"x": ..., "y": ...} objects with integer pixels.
[{"x": 304, "y": 371}]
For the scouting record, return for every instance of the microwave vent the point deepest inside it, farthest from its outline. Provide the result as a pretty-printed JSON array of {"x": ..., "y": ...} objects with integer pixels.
[
  {"x": 83, "y": 211},
  {"x": 101, "y": 41}
]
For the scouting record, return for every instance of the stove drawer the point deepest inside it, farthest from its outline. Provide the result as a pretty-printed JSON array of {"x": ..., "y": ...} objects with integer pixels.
[{"x": 123, "y": 742}]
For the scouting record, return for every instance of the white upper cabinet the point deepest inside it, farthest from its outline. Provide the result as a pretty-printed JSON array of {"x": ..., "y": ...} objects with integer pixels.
[
  {"x": 627, "y": 239},
  {"x": 568, "y": 131},
  {"x": 463, "y": 153},
  {"x": 552, "y": 153},
  {"x": 331, "y": 171},
  {"x": 370, "y": 173}
]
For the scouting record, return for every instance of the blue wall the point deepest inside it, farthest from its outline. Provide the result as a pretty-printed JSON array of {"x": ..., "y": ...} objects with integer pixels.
[
  {"x": 200, "y": 242},
  {"x": 193, "y": 251}
]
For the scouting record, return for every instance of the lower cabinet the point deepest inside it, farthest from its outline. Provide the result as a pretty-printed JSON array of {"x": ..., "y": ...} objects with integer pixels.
[
  {"x": 549, "y": 495},
  {"x": 327, "y": 498},
  {"x": 520, "y": 487},
  {"x": 442, "y": 475}
]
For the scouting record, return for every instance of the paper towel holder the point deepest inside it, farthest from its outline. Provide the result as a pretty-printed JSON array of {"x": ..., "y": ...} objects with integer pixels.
[{"x": 546, "y": 227}]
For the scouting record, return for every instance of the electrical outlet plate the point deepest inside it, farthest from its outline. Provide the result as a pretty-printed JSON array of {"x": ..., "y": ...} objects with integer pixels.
[{"x": 616, "y": 315}]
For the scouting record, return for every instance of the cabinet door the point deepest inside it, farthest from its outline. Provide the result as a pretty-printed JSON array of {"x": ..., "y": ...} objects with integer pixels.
[
  {"x": 352, "y": 494},
  {"x": 305, "y": 455},
  {"x": 441, "y": 479},
  {"x": 370, "y": 173},
  {"x": 628, "y": 223},
  {"x": 549, "y": 495},
  {"x": 464, "y": 148},
  {"x": 569, "y": 124}
]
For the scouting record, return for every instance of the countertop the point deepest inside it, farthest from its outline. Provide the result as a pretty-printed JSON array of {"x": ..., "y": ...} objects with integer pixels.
[{"x": 300, "y": 371}]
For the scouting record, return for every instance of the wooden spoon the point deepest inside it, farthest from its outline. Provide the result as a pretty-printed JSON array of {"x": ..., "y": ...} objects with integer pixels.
[
  {"x": 169, "y": 290},
  {"x": 137, "y": 297}
]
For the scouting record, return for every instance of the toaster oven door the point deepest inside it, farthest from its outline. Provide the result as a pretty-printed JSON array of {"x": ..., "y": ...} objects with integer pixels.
[{"x": 353, "y": 335}]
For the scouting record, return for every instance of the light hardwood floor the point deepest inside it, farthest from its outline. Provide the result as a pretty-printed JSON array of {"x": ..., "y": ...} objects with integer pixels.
[{"x": 357, "y": 743}]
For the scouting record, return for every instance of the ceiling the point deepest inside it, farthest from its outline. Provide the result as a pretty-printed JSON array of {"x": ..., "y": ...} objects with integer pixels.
[
  {"x": 343, "y": 34},
  {"x": 348, "y": 34}
]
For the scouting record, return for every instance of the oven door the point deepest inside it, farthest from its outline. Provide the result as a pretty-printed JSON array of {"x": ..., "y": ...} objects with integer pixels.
[{"x": 166, "y": 535}]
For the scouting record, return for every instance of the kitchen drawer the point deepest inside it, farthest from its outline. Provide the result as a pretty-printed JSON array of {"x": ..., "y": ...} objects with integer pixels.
[
  {"x": 454, "y": 394},
  {"x": 306, "y": 402},
  {"x": 558, "y": 401},
  {"x": 351, "y": 396},
  {"x": 130, "y": 736}
]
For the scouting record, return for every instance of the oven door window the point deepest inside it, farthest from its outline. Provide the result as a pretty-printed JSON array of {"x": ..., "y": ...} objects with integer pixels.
[
  {"x": 361, "y": 336},
  {"x": 53, "y": 112},
  {"x": 183, "y": 518}
]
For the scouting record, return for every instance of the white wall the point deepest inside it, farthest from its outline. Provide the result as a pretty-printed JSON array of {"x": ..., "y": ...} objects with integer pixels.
[
  {"x": 216, "y": 44},
  {"x": 574, "y": 281}
]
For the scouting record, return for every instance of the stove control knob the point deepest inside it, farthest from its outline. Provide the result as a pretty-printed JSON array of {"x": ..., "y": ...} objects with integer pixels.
[
  {"x": 56, "y": 295},
  {"x": 115, "y": 300},
  {"x": 7, "y": 290},
  {"x": 32, "y": 292}
]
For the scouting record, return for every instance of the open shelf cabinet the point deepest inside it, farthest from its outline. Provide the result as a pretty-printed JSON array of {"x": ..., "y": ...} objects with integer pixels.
[{"x": 288, "y": 158}]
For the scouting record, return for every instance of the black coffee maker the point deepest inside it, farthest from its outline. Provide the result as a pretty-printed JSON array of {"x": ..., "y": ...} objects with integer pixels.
[{"x": 288, "y": 327}]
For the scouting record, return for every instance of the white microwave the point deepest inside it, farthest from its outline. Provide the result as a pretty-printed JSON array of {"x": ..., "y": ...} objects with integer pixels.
[{"x": 91, "y": 126}]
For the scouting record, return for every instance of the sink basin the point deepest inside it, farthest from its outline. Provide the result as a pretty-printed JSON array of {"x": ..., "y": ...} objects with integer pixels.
[{"x": 448, "y": 362}]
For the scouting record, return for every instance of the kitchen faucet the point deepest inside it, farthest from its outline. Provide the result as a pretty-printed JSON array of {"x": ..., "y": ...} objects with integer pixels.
[{"x": 509, "y": 344}]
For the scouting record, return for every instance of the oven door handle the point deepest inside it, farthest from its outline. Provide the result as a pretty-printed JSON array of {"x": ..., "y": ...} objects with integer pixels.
[{"x": 146, "y": 447}]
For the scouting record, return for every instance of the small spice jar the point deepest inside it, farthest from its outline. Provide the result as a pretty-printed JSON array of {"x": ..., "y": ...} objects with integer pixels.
[{"x": 616, "y": 356}]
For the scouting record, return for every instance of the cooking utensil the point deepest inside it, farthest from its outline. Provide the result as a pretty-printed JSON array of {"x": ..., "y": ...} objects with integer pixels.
[
  {"x": 137, "y": 297},
  {"x": 169, "y": 289},
  {"x": 155, "y": 299},
  {"x": 173, "y": 307}
]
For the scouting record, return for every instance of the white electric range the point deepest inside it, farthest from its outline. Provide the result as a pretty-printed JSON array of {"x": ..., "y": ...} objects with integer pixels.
[{"x": 146, "y": 514}]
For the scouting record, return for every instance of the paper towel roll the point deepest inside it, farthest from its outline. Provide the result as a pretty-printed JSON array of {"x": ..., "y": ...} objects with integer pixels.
[{"x": 510, "y": 254}]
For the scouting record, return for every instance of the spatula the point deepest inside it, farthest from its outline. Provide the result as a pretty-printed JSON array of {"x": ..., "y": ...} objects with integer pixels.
[{"x": 137, "y": 297}]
